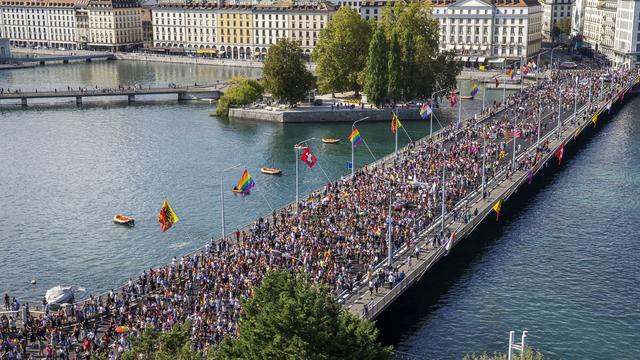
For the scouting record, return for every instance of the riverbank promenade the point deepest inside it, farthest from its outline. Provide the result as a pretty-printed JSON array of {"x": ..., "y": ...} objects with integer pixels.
[{"x": 366, "y": 237}]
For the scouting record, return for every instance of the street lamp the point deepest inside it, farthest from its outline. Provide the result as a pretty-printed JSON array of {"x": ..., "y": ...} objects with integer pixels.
[
  {"x": 353, "y": 162},
  {"x": 389, "y": 220},
  {"x": 224, "y": 233},
  {"x": 431, "y": 116}
]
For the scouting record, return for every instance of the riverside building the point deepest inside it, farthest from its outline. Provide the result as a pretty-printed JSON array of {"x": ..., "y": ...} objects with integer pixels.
[
  {"x": 483, "y": 31},
  {"x": 553, "y": 11}
]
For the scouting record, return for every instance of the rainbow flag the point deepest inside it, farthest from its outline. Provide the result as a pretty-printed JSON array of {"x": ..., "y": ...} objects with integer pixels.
[
  {"x": 474, "y": 88},
  {"x": 245, "y": 184},
  {"x": 425, "y": 110},
  {"x": 355, "y": 137}
]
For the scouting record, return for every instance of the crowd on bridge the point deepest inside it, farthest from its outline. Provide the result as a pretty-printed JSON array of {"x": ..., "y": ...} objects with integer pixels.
[{"x": 337, "y": 235}]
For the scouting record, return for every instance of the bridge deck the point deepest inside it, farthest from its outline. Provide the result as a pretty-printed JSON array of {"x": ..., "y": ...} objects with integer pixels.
[{"x": 200, "y": 89}]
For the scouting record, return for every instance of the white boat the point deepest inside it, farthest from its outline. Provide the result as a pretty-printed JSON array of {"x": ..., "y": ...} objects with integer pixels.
[{"x": 59, "y": 295}]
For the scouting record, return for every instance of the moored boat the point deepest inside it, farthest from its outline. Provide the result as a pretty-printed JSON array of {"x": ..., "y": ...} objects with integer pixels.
[
  {"x": 301, "y": 146},
  {"x": 466, "y": 97},
  {"x": 270, "y": 171},
  {"x": 59, "y": 295},
  {"x": 330, "y": 140},
  {"x": 123, "y": 220}
]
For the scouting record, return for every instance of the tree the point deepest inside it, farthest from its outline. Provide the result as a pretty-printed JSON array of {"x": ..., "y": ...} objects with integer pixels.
[
  {"x": 563, "y": 26},
  {"x": 155, "y": 345},
  {"x": 288, "y": 318},
  {"x": 285, "y": 73},
  {"x": 242, "y": 91},
  {"x": 529, "y": 354},
  {"x": 415, "y": 18},
  {"x": 394, "y": 90},
  {"x": 409, "y": 68},
  {"x": 341, "y": 52},
  {"x": 376, "y": 71},
  {"x": 446, "y": 69}
]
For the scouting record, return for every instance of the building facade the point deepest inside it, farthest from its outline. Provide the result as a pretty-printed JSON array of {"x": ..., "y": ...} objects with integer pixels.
[
  {"x": 626, "y": 47},
  {"x": 237, "y": 31},
  {"x": 553, "y": 11},
  {"x": 44, "y": 23},
  {"x": 114, "y": 25},
  {"x": 479, "y": 30}
]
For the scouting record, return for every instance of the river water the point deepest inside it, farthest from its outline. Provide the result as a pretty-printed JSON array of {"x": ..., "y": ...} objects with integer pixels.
[{"x": 564, "y": 266}]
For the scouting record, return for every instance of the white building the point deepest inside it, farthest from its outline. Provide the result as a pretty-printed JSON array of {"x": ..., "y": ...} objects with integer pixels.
[
  {"x": 626, "y": 46},
  {"x": 50, "y": 23},
  {"x": 479, "y": 30},
  {"x": 114, "y": 25},
  {"x": 184, "y": 26},
  {"x": 554, "y": 10}
]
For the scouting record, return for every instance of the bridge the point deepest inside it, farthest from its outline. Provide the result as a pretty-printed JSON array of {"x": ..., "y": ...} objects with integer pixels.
[
  {"x": 64, "y": 58},
  {"x": 183, "y": 92}
]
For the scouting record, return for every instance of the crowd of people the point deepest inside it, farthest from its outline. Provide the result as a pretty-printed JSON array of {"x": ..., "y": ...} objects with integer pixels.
[{"x": 337, "y": 235}]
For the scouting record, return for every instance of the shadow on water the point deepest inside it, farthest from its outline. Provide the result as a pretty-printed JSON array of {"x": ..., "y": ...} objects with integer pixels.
[{"x": 415, "y": 307}]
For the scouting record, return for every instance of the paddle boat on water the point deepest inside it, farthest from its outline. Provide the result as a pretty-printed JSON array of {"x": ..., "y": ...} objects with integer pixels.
[
  {"x": 466, "y": 97},
  {"x": 330, "y": 141},
  {"x": 270, "y": 171},
  {"x": 123, "y": 220}
]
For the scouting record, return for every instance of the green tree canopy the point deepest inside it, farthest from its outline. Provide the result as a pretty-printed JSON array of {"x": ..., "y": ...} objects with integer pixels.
[
  {"x": 341, "y": 52},
  {"x": 288, "y": 318},
  {"x": 156, "y": 345},
  {"x": 285, "y": 73},
  {"x": 395, "y": 71},
  {"x": 415, "y": 18},
  {"x": 242, "y": 91},
  {"x": 375, "y": 85}
]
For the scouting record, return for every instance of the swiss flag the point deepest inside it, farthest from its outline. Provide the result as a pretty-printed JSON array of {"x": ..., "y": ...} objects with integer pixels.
[
  {"x": 308, "y": 158},
  {"x": 560, "y": 153}
]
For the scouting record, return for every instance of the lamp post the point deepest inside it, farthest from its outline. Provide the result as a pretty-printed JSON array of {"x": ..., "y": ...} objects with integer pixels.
[
  {"x": 224, "y": 233},
  {"x": 353, "y": 161},
  {"x": 484, "y": 156},
  {"x": 575, "y": 100},
  {"x": 433, "y": 96},
  {"x": 559, "y": 108},
  {"x": 295, "y": 150}
]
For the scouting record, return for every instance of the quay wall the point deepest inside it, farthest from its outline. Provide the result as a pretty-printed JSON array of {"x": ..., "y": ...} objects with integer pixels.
[{"x": 323, "y": 114}]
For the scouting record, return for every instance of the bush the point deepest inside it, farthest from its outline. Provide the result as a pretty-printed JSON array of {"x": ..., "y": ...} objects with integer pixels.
[{"x": 243, "y": 91}]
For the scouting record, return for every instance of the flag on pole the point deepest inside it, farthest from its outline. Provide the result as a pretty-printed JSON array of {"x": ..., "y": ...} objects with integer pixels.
[
  {"x": 449, "y": 243},
  {"x": 496, "y": 208},
  {"x": 308, "y": 158},
  {"x": 395, "y": 123},
  {"x": 425, "y": 110},
  {"x": 560, "y": 153},
  {"x": 497, "y": 83},
  {"x": 355, "y": 137},
  {"x": 518, "y": 133},
  {"x": 510, "y": 73},
  {"x": 167, "y": 217},
  {"x": 453, "y": 98},
  {"x": 622, "y": 97},
  {"x": 474, "y": 88},
  {"x": 245, "y": 184},
  {"x": 594, "y": 119}
]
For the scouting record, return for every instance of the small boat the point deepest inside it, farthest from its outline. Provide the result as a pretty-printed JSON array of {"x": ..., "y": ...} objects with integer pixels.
[
  {"x": 123, "y": 220},
  {"x": 330, "y": 141},
  {"x": 466, "y": 97},
  {"x": 301, "y": 146},
  {"x": 270, "y": 171},
  {"x": 59, "y": 295}
]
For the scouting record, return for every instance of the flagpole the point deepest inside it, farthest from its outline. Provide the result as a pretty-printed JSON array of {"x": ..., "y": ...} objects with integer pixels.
[
  {"x": 484, "y": 91},
  {"x": 224, "y": 233},
  {"x": 433, "y": 97},
  {"x": 295, "y": 149},
  {"x": 459, "y": 111},
  {"x": 431, "y": 121},
  {"x": 539, "y": 120},
  {"x": 389, "y": 229},
  {"x": 513, "y": 161},
  {"x": 521, "y": 74},
  {"x": 353, "y": 161},
  {"x": 395, "y": 126},
  {"x": 559, "y": 109},
  {"x": 444, "y": 209},
  {"x": 484, "y": 156},
  {"x": 575, "y": 100},
  {"x": 368, "y": 148}
]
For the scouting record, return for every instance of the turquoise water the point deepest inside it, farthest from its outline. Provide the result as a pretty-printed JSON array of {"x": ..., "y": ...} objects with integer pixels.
[{"x": 564, "y": 266}]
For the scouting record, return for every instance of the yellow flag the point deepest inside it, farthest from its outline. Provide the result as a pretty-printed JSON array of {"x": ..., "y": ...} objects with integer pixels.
[
  {"x": 496, "y": 208},
  {"x": 167, "y": 217},
  {"x": 594, "y": 119},
  {"x": 482, "y": 67}
]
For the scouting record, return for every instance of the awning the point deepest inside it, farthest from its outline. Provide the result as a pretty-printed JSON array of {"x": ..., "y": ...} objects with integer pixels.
[
  {"x": 475, "y": 47},
  {"x": 473, "y": 59},
  {"x": 464, "y": 58},
  {"x": 206, "y": 51},
  {"x": 481, "y": 59},
  {"x": 176, "y": 50},
  {"x": 483, "y": 47},
  {"x": 190, "y": 50},
  {"x": 498, "y": 60}
]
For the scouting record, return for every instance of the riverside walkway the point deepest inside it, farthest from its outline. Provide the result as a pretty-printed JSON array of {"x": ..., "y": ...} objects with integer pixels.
[
  {"x": 194, "y": 295},
  {"x": 183, "y": 92}
]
